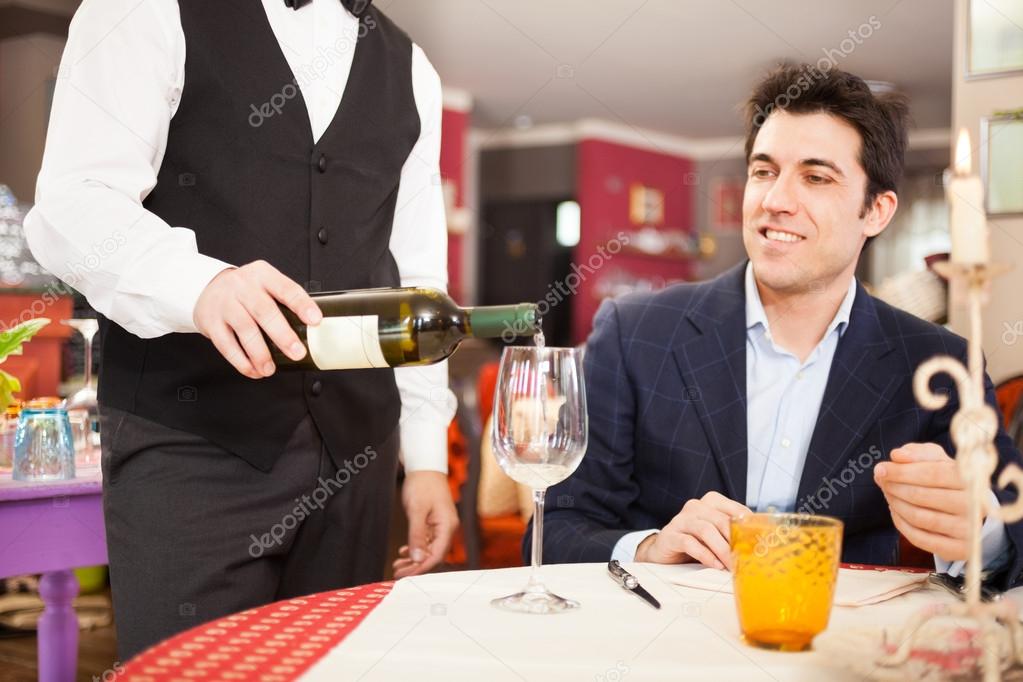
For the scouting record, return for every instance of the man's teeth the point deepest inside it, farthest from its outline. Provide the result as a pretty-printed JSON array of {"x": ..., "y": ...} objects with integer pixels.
[{"x": 779, "y": 236}]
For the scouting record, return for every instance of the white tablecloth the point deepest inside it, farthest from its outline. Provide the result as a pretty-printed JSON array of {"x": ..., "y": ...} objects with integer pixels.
[{"x": 442, "y": 627}]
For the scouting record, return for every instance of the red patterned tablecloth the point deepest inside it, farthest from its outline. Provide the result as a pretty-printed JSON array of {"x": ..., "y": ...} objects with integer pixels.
[{"x": 272, "y": 643}]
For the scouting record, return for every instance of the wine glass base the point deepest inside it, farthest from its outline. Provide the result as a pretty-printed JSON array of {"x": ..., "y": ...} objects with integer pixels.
[{"x": 538, "y": 602}]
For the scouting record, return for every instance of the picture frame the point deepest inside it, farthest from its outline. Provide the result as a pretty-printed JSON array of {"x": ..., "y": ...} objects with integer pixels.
[
  {"x": 994, "y": 42},
  {"x": 646, "y": 205},
  {"x": 1001, "y": 158},
  {"x": 726, "y": 195},
  {"x": 1002, "y": 164}
]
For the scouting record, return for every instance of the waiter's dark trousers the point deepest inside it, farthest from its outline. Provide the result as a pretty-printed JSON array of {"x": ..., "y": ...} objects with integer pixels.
[{"x": 195, "y": 533}]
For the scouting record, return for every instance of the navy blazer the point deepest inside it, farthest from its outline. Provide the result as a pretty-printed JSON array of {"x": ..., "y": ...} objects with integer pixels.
[{"x": 666, "y": 390}]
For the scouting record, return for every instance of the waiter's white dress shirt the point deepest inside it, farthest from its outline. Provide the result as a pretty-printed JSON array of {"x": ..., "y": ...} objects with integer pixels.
[{"x": 118, "y": 87}]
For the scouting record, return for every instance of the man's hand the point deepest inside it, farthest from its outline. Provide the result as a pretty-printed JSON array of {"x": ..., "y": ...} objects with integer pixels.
[
  {"x": 238, "y": 302},
  {"x": 700, "y": 532},
  {"x": 432, "y": 521},
  {"x": 927, "y": 499}
]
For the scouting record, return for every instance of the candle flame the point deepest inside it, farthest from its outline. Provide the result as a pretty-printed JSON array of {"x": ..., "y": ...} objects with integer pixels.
[{"x": 963, "y": 153}]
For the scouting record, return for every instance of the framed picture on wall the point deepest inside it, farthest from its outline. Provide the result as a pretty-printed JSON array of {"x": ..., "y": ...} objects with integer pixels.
[
  {"x": 1001, "y": 158},
  {"x": 646, "y": 205},
  {"x": 726, "y": 195},
  {"x": 994, "y": 41}
]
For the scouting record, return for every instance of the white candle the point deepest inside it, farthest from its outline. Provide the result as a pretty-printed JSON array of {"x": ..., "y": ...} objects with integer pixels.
[{"x": 967, "y": 221}]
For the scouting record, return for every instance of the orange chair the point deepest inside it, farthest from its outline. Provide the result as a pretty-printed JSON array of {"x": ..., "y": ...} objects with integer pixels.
[
  {"x": 485, "y": 387},
  {"x": 1009, "y": 394},
  {"x": 463, "y": 448},
  {"x": 458, "y": 474},
  {"x": 483, "y": 541}
]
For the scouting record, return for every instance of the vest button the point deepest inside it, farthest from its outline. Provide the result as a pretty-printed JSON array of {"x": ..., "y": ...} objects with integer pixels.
[
  {"x": 322, "y": 235},
  {"x": 322, "y": 163},
  {"x": 316, "y": 388}
]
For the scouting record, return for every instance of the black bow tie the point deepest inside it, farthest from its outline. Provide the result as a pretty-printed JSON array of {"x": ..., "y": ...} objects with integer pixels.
[{"x": 356, "y": 7}]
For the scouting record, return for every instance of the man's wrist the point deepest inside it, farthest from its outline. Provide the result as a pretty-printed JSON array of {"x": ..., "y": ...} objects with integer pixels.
[{"x": 641, "y": 550}]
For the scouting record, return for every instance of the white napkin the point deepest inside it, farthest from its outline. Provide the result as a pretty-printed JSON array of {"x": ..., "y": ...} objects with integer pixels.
[
  {"x": 1016, "y": 594},
  {"x": 856, "y": 587}
]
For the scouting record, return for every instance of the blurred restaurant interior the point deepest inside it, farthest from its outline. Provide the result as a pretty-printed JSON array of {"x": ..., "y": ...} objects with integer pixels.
[{"x": 590, "y": 148}]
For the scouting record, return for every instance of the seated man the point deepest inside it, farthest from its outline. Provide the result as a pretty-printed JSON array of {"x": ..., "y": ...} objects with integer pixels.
[{"x": 781, "y": 384}]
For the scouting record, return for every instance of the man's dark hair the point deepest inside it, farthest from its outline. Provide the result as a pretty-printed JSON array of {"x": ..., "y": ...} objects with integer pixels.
[{"x": 882, "y": 120}]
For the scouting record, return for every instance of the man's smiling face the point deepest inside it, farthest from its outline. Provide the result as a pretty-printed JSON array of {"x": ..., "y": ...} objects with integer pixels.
[{"x": 804, "y": 221}]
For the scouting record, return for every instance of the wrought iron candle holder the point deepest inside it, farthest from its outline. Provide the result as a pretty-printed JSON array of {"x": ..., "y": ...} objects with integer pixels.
[{"x": 973, "y": 429}]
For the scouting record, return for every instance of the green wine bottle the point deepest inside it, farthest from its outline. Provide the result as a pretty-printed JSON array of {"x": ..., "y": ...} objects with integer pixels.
[{"x": 397, "y": 328}]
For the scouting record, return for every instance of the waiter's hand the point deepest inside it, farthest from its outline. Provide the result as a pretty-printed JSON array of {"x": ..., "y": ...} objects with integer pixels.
[
  {"x": 927, "y": 499},
  {"x": 432, "y": 521},
  {"x": 700, "y": 532},
  {"x": 239, "y": 301}
]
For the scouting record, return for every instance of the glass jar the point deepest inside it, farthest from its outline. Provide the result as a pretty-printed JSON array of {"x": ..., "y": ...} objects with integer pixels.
[{"x": 43, "y": 445}]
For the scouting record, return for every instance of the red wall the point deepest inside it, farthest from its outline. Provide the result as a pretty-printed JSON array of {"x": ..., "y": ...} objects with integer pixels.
[
  {"x": 454, "y": 130},
  {"x": 38, "y": 368},
  {"x": 605, "y": 172}
]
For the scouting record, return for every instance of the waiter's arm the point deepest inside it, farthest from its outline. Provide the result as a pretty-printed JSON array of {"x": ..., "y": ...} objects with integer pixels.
[
  {"x": 118, "y": 86},
  {"x": 419, "y": 246}
]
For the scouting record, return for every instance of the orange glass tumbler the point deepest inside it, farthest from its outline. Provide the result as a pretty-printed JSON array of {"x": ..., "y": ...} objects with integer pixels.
[{"x": 786, "y": 566}]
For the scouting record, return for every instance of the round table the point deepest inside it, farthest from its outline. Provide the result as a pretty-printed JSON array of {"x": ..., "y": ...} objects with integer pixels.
[
  {"x": 272, "y": 643},
  {"x": 441, "y": 626}
]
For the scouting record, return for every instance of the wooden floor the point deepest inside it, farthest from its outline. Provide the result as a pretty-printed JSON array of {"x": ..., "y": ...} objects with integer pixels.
[{"x": 96, "y": 653}]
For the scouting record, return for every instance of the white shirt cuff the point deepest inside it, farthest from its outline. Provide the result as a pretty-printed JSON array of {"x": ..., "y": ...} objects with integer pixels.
[
  {"x": 177, "y": 311},
  {"x": 625, "y": 548},
  {"x": 994, "y": 543},
  {"x": 424, "y": 446}
]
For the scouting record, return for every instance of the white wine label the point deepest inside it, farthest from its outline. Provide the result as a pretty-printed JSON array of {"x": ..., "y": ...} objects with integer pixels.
[{"x": 351, "y": 342}]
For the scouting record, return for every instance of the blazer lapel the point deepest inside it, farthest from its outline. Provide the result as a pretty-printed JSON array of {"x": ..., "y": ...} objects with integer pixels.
[
  {"x": 864, "y": 376},
  {"x": 713, "y": 368}
]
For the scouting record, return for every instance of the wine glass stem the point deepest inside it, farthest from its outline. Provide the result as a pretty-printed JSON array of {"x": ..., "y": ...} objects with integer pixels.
[
  {"x": 534, "y": 574},
  {"x": 88, "y": 360}
]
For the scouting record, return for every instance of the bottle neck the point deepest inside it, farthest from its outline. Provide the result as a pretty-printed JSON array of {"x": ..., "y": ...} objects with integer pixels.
[{"x": 504, "y": 321}]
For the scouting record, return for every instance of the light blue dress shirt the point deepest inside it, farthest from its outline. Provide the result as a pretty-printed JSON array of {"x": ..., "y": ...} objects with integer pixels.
[{"x": 783, "y": 398}]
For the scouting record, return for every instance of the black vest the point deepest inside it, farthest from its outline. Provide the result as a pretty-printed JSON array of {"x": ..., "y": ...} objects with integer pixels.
[{"x": 256, "y": 187}]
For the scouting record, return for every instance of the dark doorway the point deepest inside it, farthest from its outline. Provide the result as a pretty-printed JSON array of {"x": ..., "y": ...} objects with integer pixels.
[{"x": 521, "y": 260}]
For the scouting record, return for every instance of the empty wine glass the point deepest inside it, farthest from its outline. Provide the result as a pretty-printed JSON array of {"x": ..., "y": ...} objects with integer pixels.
[
  {"x": 539, "y": 438},
  {"x": 82, "y": 406}
]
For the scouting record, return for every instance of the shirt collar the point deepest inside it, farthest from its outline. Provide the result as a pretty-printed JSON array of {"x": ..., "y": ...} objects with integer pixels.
[{"x": 755, "y": 313}]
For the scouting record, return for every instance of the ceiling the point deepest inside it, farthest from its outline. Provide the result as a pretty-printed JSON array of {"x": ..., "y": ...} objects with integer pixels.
[
  {"x": 676, "y": 66},
  {"x": 681, "y": 67}
]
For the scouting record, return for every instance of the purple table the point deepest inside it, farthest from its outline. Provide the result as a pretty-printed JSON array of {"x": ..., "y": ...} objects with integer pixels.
[{"x": 51, "y": 528}]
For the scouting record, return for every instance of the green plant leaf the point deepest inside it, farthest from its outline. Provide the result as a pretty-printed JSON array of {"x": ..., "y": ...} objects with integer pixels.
[
  {"x": 11, "y": 340},
  {"x": 9, "y": 385}
]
